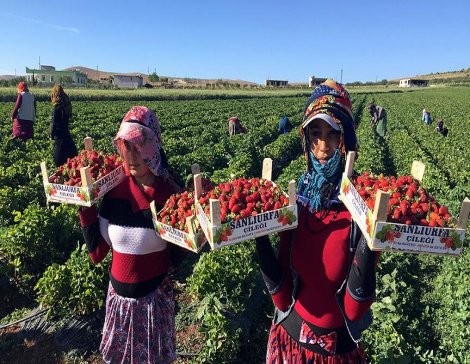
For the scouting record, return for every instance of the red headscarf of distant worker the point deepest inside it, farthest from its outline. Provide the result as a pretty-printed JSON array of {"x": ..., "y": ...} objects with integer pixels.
[
  {"x": 141, "y": 127},
  {"x": 22, "y": 86}
]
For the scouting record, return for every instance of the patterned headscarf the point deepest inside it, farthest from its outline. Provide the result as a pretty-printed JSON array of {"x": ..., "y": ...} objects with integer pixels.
[
  {"x": 141, "y": 127},
  {"x": 22, "y": 86},
  {"x": 318, "y": 187}
]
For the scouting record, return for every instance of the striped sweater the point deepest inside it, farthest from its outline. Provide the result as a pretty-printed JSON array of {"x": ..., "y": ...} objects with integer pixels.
[{"x": 140, "y": 259}]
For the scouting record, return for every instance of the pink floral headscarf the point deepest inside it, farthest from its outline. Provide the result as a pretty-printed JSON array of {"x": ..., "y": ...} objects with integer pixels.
[{"x": 141, "y": 127}]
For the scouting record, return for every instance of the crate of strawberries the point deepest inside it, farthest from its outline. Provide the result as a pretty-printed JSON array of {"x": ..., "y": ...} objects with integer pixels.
[
  {"x": 242, "y": 209},
  {"x": 398, "y": 214},
  {"x": 176, "y": 222},
  {"x": 84, "y": 179}
]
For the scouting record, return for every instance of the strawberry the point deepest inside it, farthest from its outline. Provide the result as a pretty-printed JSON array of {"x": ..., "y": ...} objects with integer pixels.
[{"x": 443, "y": 210}]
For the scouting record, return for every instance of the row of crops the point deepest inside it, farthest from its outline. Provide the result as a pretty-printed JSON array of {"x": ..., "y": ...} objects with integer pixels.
[{"x": 422, "y": 310}]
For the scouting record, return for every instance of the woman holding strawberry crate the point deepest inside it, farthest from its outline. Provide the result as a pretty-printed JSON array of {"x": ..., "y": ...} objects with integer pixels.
[
  {"x": 139, "y": 325},
  {"x": 322, "y": 280}
]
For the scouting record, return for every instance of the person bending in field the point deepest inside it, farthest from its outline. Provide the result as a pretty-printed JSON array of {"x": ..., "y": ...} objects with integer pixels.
[
  {"x": 426, "y": 117},
  {"x": 235, "y": 126},
  {"x": 285, "y": 125},
  {"x": 139, "y": 325},
  {"x": 64, "y": 146},
  {"x": 441, "y": 129},
  {"x": 322, "y": 279},
  {"x": 378, "y": 119},
  {"x": 23, "y": 115}
]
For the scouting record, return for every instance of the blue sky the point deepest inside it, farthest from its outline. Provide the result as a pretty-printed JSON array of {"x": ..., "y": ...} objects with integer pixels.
[{"x": 248, "y": 40}]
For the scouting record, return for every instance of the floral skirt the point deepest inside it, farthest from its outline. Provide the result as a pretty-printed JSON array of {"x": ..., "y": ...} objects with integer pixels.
[
  {"x": 283, "y": 349},
  {"x": 140, "y": 330},
  {"x": 23, "y": 129}
]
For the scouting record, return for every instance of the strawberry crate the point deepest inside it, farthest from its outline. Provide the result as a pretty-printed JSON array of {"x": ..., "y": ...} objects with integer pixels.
[
  {"x": 398, "y": 237},
  {"x": 243, "y": 227},
  {"x": 194, "y": 239},
  {"x": 89, "y": 191}
]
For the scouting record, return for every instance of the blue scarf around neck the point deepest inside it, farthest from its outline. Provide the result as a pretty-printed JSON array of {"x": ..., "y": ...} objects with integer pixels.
[{"x": 318, "y": 188}]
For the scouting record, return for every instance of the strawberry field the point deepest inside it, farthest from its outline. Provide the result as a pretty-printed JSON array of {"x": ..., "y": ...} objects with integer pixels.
[{"x": 422, "y": 313}]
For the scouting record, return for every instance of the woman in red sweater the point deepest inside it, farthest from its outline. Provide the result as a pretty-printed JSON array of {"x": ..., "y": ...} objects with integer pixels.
[
  {"x": 321, "y": 285},
  {"x": 23, "y": 115},
  {"x": 140, "y": 319}
]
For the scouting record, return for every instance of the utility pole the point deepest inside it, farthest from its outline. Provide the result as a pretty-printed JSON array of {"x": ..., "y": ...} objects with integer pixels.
[
  {"x": 39, "y": 62},
  {"x": 341, "y": 81}
]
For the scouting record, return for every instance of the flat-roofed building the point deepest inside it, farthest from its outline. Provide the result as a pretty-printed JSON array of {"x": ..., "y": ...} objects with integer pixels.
[
  {"x": 410, "y": 82},
  {"x": 49, "y": 75},
  {"x": 275, "y": 83}
]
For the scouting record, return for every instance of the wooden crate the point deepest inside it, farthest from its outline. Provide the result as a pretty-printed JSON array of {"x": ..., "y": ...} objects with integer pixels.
[
  {"x": 250, "y": 227},
  {"x": 194, "y": 240},
  {"x": 411, "y": 238},
  {"x": 89, "y": 192}
]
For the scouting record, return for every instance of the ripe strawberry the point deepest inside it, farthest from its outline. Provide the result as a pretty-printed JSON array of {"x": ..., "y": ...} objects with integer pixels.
[
  {"x": 245, "y": 213},
  {"x": 268, "y": 206},
  {"x": 443, "y": 210},
  {"x": 235, "y": 209},
  {"x": 396, "y": 213},
  {"x": 224, "y": 237}
]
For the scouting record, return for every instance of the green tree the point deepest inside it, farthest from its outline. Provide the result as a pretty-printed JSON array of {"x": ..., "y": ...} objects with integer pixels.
[{"x": 153, "y": 77}]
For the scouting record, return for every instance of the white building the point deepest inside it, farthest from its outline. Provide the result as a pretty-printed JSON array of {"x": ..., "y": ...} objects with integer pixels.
[
  {"x": 276, "y": 83},
  {"x": 49, "y": 75},
  {"x": 313, "y": 81},
  {"x": 409, "y": 82},
  {"x": 128, "y": 81}
]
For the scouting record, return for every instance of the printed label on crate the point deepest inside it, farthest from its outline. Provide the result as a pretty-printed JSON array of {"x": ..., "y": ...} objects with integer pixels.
[
  {"x": 108, "y": 182},
  {"x": 357, "y": 207},
  {"x": 84, "y": 195},
  {"x": 249, "y": 227},
  {"x": 67, "y": 193},
  {"x": 417, "y": 238},
  {"x": 178, "y": 237}
]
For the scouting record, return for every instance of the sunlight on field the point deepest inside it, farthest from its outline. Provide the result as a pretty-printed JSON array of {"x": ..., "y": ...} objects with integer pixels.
[{"x": 415, "y": 293}]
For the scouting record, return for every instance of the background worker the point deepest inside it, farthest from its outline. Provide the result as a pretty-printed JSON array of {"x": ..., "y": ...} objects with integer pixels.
[
  {"x": 441, "y": 129},
  {"x": 23, "y": 115},
  {"x": 285, "y": 125},
  {"x": 426, "y": 117},
  {"x": 378, "y": 119},
  {"x": 235, "y": 126}
]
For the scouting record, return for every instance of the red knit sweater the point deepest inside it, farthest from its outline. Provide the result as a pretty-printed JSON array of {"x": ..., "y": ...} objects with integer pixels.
[
  {"x": 320, "y": 256},
  {"x": 124, "y": 225}
]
